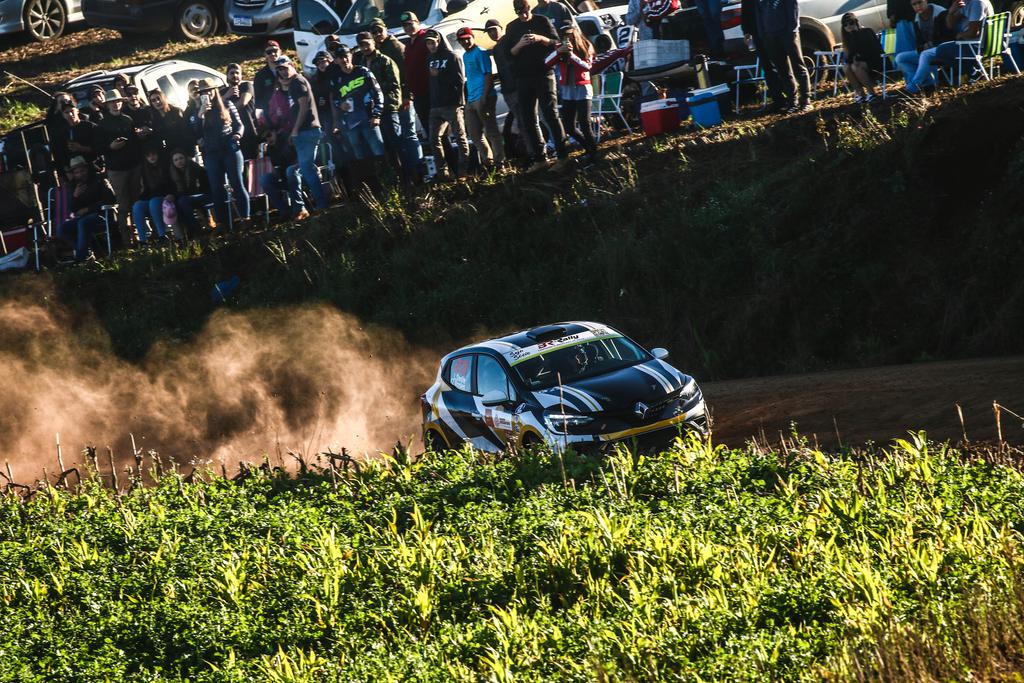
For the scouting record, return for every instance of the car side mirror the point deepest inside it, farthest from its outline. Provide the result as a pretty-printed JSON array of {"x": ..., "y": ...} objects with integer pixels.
[
  {"x": 495, "y": 398},
  {"x": 660, "y": 353}
]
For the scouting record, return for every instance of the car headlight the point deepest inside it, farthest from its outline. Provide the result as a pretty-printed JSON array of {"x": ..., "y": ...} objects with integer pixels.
[{"x": 562, "y": 422}]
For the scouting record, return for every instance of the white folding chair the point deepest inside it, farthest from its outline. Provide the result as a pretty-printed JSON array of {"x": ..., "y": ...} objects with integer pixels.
[
  {"x": 747, "y": 74},
  {"x": 607, "y": 100},
  {"x": 828, "y": 62}
]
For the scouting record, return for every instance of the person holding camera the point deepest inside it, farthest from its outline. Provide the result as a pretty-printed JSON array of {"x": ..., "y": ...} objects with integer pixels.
[
  {"x": 220, "y": 132},
  {"x": 529, "y": 39},
  {"x": 573, "y": 58},
  {"x": 122, "y": 150}
]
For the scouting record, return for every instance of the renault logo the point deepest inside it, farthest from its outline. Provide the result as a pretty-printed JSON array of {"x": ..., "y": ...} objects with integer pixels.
[{"x": 640, "y": 410}]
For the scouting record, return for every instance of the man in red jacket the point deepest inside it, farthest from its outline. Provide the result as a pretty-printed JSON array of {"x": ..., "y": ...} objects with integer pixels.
[{"x": 417, "y": 74}]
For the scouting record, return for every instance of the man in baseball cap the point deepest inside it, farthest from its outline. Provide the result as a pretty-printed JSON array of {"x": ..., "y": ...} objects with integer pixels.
[
  {"x": 417, "y": 73},
  {"x": 481, "y": 99}
]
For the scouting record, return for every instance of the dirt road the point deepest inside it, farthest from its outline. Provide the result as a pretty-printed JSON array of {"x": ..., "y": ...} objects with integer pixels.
[{"x": 876, "y": 403}]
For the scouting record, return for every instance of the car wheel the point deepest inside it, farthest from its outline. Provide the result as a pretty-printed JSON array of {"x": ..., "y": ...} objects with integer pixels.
[
  {"x": 196, "y": 20},
  {"x": 45, "y": 19},
  {"x": 1017, "y": 15},
  {"x": 531, "y": 441},
  {"x": 433, "y": 442},
  {"x": 812, "y": 41}
]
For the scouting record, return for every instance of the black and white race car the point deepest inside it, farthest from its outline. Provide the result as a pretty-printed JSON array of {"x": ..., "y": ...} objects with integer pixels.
[{"x": 575, "y": 384}]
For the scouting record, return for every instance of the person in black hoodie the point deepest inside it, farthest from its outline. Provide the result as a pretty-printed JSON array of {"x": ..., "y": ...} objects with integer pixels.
[
  {"x": 191, "y": 190},
  {"x": 122, "y": 151},
  {"x": 752, "y": 34},
  {"x": 265, "y": 81},
  {"x": 529, "y": 39},
  {"x": 76, "y": 138},
  {"x": 169, "y": 123},
  {"x": 447, "y": 102},
  {"x": 89, "y": 194},
  {"x": 156, "y": 184},
  {"x": 240, "y": 94},
  {"x": 779, "y": 24},
  {"x": 862, "y": 54}
]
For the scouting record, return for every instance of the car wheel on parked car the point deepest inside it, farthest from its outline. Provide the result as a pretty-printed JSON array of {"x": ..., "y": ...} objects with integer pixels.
[
  {"x": 1017, "y": 15},
  {"x": 196, "y": 20},
  {"x": 45, "y": 19}
]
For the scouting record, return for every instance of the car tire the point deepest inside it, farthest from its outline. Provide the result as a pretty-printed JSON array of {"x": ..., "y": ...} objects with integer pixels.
[
  {"x": 196, "y": 20},
  {"x": 1017, "y": 15},
  {"x": 45, "y": 19},
  {"x": 531, "y": 441},
  {"x": 812, "y": 41},
  {"x": 433, "y": 442}
]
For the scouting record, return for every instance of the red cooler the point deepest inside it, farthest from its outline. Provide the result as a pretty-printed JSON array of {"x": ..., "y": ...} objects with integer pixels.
[{"x": 659, "y": 116}]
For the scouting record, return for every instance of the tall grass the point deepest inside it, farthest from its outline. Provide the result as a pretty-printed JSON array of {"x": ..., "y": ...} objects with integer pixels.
[{"x": 699, "y": 564}]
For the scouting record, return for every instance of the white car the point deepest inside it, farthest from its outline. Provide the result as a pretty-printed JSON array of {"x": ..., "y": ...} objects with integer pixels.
[{"x": 170, "y": 76}]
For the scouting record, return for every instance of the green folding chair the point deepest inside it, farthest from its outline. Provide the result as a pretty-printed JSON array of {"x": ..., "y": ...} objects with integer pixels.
[
  {"x": 887, "y": 38},
  {"x": 607, "y": 100},
  {"x": 994, "y": 42}
]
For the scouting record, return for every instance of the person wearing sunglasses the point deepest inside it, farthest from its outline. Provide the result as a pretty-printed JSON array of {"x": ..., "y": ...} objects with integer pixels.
[
  {"x": 862, "y": 58},
  {"x": 95, "y": 110},
  {"x": 481, "y": 100},
  {"x": 265, "y": 81}
]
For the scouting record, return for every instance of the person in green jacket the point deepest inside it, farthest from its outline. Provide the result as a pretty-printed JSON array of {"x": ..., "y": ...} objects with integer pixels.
[{"x": 403, "y": 154}]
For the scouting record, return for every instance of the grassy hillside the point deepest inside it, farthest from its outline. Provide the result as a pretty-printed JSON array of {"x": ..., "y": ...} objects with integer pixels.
[
  {"x": 832, "y": 239},
  {"x": 699, "y": 564}
]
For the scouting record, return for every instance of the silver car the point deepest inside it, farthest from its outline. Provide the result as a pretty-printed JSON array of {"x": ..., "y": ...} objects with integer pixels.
[
  {"x": 258, "y": 17},
  {"x": 42, "y": 19}
]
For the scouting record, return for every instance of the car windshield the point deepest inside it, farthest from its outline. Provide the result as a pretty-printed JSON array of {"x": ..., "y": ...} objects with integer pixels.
[
  {"x": 363, "y": 12},
  {"x": 588, "y": 358}
]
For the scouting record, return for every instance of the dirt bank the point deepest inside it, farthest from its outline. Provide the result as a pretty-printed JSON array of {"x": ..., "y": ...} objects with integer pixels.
[{"x": 875, "y": 403}]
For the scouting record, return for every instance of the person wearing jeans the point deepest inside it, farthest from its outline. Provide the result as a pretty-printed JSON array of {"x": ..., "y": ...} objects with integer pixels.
[
  {"x": 192, "y": 189},
  {"x": 481, "y": 100},
  {"x": 305, "y": 136},
  {"x": 529, "y": 40},
  {"x": 573, "y": 58},
  {"x": 931, "y": 30},
  {"x": 88, "y": 196},
  {"x": 447, "y": 102},
  {"x": 387, "y": 73},
  {"x": 779, "y": 24},
  {"x": 220, "y": 128}
]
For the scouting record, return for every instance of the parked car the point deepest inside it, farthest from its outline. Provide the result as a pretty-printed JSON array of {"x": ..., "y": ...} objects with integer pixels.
[
  {"x": 577, "y": 384},
  {"x": 171, "y": 76},
  {"x": 189, "y": 19},
  {"x": 258, "y": 17},
  {"x": 41, "y": 19}
]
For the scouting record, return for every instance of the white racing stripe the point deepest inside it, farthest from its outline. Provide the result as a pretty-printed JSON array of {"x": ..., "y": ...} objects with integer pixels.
[
  {"x": 656, "y": 375},
  {"x": 587, "y": 399},
  {"x": 670, "y": 372}
]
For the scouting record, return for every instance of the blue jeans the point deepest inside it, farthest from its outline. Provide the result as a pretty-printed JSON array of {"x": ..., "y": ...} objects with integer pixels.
[
  {"x": 152, "y": 208},
  {"x": 365, "y": 140},
  {"x": 711, "y": 15},
  {"x": 76, "y": 232},
  {"x": 274, "y": 188},
  {"x": 187, "y": 205},
  {"x": 399, "y": 132},
  {"x": 306, "y": 143},
  {"x": 219, "y": 165}
]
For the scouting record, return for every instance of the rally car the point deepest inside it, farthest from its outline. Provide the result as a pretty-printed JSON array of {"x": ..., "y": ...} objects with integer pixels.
[{"x": 576, "y": 384}]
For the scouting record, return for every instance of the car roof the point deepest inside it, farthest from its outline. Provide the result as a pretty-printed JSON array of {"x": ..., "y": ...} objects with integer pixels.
[{"x": 510, "y": 346}]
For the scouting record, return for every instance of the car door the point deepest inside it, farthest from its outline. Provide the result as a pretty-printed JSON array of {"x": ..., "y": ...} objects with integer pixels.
[
  {"x": 461, "y": 403},
  {"x": 312, "y": 19},
  {"x": 492, "y": 385}
]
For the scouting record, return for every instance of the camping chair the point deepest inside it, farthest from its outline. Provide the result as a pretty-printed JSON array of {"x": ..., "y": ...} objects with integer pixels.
[
  {"x": 993, "y": 42},
  {"x": 750, "y": 73},
  {"x": 254, "y": 170},
  {"x": 325, "y": 165},
  {"x": 828, "y": 62},
  {"x": 58, "y": 210},
  {"x": 887, "y": 38},
  {"x": 607, "y": 100}
]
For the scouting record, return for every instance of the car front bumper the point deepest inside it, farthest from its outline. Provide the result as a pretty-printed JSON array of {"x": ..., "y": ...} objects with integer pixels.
[
  {"x": 262, "y": 22},
  {"x": 648, "y": 437}
]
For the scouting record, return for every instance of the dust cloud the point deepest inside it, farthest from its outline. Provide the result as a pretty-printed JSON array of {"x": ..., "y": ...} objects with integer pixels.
[{"x": 253, "y": 383}]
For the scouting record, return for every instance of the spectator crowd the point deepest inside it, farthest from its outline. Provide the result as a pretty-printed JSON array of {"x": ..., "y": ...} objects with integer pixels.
[{"x": 351, "y": 127}]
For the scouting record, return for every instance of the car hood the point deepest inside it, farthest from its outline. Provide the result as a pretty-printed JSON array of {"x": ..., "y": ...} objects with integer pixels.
[{"x": 620, "y": 390}]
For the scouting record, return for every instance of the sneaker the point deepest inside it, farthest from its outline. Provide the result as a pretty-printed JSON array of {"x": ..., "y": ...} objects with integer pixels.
[
  {"x": 302, "y": 215},
  {"x": 800, "y": 108},
  {"x": 857, "y": 99}
]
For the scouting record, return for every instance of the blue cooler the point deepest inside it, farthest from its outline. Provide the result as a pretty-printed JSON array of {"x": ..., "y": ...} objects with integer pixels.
[{"x": 704, "y": 107}]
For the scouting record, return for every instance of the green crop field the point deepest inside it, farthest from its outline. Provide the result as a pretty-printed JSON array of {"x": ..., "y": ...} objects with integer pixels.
[{"x": 700, "y": 563}]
